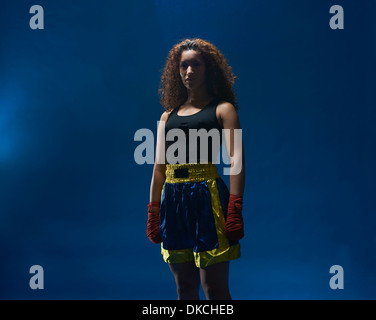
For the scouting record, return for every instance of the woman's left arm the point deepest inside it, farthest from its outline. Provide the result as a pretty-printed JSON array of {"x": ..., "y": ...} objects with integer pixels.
[
  {"x": 234, "y": 225},
  {"x": 234, "y": 146}
]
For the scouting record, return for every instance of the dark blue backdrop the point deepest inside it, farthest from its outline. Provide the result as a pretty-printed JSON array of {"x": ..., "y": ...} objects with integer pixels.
[{"x": 73, "y": 200}]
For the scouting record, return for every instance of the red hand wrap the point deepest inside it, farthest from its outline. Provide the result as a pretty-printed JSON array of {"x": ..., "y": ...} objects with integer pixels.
[
  {"x": 234, "y": 226},
  {"x": 152, "y": 229}
]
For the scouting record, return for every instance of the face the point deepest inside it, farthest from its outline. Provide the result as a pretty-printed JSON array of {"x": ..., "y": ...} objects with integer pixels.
[{"x": 192, "y": 69}]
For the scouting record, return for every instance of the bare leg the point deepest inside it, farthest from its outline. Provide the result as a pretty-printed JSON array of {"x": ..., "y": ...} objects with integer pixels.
[
  {"x": 214, "y": 280},
  {"x": 187, "y": 278}
]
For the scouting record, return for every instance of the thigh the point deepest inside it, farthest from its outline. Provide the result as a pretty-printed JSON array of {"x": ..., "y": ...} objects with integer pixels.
[
  {"x": 185, "y": 273},
  {"x": 216, "y": 275}
]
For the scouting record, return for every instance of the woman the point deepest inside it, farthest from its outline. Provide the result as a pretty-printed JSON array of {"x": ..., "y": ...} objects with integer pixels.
[{"x": 191, "y": 211}]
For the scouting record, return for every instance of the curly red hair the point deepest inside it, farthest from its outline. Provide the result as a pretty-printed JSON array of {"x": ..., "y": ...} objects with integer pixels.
[{"x": 219, "y": 75}]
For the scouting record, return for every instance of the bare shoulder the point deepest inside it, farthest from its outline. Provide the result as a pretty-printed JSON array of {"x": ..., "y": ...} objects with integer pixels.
[
  {"x": 226, "y": 109},
  {"x": 227, "y": 114},
  {"x": 226, "y": 106},
  {"x": 165, "y": 116}
]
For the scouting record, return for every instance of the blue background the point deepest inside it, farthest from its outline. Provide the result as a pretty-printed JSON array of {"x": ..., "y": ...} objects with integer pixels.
[{"x": 72, "y": 96}]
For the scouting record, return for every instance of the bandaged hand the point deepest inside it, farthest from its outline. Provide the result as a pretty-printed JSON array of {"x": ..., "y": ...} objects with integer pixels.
[
  {"x": 234, "y": 226},
  {"x": 152, "y": 229}
]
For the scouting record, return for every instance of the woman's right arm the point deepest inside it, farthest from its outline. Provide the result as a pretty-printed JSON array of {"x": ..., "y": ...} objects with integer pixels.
[{"x": 159, "y": 170}]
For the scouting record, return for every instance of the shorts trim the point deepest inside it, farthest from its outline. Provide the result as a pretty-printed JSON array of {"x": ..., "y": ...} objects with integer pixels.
[{"x": 201, "y": 259}]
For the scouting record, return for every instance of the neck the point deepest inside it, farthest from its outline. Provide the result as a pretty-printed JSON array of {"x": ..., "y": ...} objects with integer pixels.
[{"x": 196, "y": 97}]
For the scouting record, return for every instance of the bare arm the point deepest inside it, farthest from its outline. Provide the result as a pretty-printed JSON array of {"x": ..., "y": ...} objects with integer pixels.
[
  {"x": 159, "y": 170},
  {"x": 230, "y": 120}
]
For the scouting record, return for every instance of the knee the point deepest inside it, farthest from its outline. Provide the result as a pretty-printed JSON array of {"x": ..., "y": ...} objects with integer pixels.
[
  {"x": 187, "y": 290},
  {"x": 216, "y": 291}
]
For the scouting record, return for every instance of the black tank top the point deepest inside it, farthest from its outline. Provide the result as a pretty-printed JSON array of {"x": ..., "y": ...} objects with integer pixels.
[{"x": 196, "y": 131}]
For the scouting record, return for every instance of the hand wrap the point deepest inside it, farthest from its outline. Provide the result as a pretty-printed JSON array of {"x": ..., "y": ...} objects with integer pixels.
[
  {"x": 152, "y": 229},
  {"x": 234, "y": 226}
]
